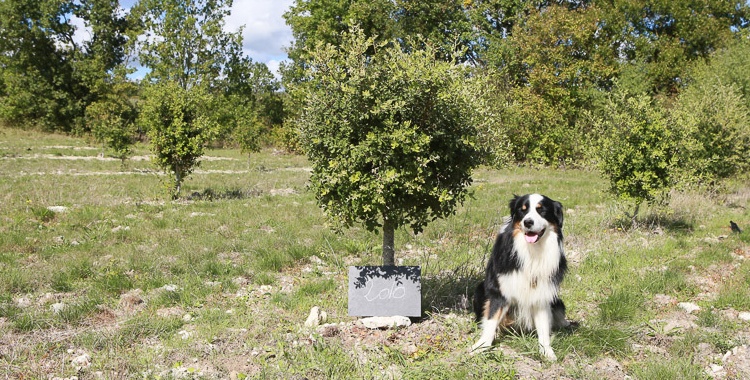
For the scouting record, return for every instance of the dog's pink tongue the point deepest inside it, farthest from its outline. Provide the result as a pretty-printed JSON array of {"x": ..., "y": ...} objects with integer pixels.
[{"x": 531, "y": 237}]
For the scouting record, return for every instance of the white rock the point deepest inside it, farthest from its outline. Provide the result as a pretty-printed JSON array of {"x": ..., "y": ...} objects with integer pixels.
[
  {"x": 689, "y": 307},
  {"x": 745, "y": 316},
  {"x": 82, "y": 361},
  {"x": 57, "y": 307},
  {"x": 716, "y": 371},
  {"x": 184, "y": 334},
  {"x": 316, "y": 317},
  {"x": 120, "y": 228},
  {"x": 170, "y": 288},
  {"x": 385, "y": 322},
  {"x": 23, "y": 302},
  {"x": 57, "y": 209}
]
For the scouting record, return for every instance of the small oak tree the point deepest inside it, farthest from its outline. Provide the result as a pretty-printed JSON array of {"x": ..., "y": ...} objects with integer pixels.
[
  {"x": 112, "y": 120},
  {"x": 179, "y": 125},
  {"x": 638, "y": 152},
  {"x": 389, "y": 135}
]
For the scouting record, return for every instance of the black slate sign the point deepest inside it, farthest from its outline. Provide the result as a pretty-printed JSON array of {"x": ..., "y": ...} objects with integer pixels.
[{"x": 383, "y": 291}]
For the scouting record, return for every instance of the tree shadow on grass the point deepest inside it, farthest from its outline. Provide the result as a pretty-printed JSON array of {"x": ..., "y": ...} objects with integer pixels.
[
  {"x": 210, "y": 194},
  {"x": 449, "y": 292},
  {"x": 654, "y": 221}
]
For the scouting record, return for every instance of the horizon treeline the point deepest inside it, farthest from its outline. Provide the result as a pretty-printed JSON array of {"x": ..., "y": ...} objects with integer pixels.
[{"x": 556, "y": 71}]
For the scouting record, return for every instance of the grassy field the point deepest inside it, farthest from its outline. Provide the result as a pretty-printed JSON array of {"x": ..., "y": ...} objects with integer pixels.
[{"x": 102, "y": 277}]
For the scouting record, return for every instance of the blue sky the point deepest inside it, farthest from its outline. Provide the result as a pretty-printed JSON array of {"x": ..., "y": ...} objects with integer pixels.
[{"x": 265, "y": 34}]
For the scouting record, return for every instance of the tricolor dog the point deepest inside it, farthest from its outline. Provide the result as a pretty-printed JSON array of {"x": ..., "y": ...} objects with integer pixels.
[{"x": 522, "y": 283}]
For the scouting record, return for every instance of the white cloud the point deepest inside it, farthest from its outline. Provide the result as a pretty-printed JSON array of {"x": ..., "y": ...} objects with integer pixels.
[
  {"x": 265, "y": 34},
  {"x": 82, "y": 32}
]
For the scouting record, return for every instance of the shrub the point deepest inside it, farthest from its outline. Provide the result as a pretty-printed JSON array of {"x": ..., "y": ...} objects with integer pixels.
[
  {"x": 112, "y": 122},
  {"x": 179, "y": 126},
  {"x": 713, "y": 119},
  {"x": 638, "y": 149}
]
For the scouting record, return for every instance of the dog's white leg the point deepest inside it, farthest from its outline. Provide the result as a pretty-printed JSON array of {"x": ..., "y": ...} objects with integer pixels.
[
  {"x": 489, "y": 326},
  {"x": 543, "y": 324}
]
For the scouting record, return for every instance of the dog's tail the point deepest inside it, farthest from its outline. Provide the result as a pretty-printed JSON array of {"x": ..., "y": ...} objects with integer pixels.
[{"x": 479, "y": 302}]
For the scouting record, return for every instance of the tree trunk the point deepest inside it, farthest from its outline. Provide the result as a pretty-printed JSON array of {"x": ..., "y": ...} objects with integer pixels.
[
  {"x": 388, "y": 243},
  {"x": 178, "y": 185},
  {"x": 634, "y": 220}
]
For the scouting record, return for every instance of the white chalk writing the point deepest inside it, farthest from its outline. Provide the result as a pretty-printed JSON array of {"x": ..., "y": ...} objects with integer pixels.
[{"x": 394, "y": 292}]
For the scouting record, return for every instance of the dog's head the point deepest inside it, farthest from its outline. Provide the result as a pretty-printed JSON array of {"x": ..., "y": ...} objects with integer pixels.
[{"x": 534, "y": 215}]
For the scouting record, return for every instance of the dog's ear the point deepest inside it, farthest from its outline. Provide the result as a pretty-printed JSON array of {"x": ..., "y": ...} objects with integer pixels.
[
  {"x": 513, "y": 205},
  {"x": 559, "y": 212}
]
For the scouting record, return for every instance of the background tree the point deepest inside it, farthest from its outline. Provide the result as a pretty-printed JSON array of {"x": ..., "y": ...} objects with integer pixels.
[
  {"x": 184, "y": 41},
  {"x": 638, "y": 149},
  {"x": 658, "y": 39},
  {"x": 315, "y": 22},
  {"x": 112, "y": 119},
  {"x": 713, "y": 116},
  {"x": 180, "y": 126},
  {"x": 388, "y": 135},
  {"x": 184, "y": 44},
  {"x": 47, "y": 79}
]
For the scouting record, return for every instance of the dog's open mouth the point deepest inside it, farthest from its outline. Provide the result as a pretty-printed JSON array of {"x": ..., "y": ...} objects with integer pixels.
[{"x": 533, "y": 237}]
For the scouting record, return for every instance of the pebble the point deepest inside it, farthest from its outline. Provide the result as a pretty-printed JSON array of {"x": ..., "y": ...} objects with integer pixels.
[
  {"x": 57, "y": 307},
  {"x": 316, "y": 317},
  {"x": 385, "y": 322},
  {"x": 57, "y": 209},
  {"x": 689, "y": 307}
]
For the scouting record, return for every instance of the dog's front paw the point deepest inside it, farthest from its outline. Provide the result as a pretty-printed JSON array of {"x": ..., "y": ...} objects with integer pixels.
[
  {"x": 548, "y": 353},
  {"x": 480, "y": 346}
]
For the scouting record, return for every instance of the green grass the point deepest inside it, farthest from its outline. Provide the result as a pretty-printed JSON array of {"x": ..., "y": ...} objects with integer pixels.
[{"x": 248, "y": 253}]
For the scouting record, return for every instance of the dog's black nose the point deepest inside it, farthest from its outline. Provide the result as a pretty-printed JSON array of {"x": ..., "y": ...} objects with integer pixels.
[{"x": 528, "y": 223}]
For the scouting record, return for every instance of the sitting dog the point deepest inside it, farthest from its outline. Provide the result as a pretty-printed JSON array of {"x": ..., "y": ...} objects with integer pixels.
[{"x": 522, "y": 283}]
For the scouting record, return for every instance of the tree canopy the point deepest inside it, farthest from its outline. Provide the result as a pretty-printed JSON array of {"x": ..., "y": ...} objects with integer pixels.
[{"x": 388, "y": 134}]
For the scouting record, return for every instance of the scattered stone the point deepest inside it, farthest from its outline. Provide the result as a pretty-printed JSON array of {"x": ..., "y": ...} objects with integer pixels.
[
  {"x": 120, "y": 228},
  {"x": 282, "y": 192},
  {"x": 46, "y": 298},
  {"x": 316, "y": 317},
  {"x": 674, "y": 326},
  {"x": 374, "y": 323},
  {"x": 23, "y": 302},
  {"x": 184, "y": 334},
  {"x": 58, "y": 240},
  {"x": 240, "y": 281},
  {"x": 716, "y": 371},
  {"x": 745, "y": 316},
  {"x": 736, "y": 362},
  {"x": 169, "y": 312},
  {"x": 58, "y": 307},
  {"x": 57, "y": 209},
  {"x": 170, "y": 288},
  {"x": 81, "y": 362},
  {"x": 195, "y": 214},
  {"x": 131, "y": 301},
  {"x": 689, "y": 307},
  {"x": 664, "y": 300},
  {"x": 187, "y": 317}
]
